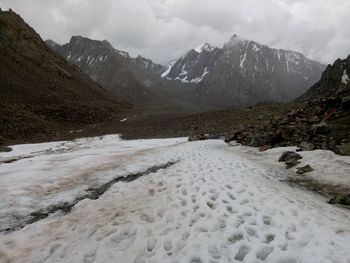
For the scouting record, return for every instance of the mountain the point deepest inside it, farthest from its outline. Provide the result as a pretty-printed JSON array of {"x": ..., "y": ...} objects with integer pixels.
[
  {"x": 244, "y": 72},
  {"x": 106, "y": 65},
  {"x": 334, "y": 76},
  {"x": 136, "y": 80},
  {"x": 149, "y": 65},
  {"x": 41, "y": 93}
]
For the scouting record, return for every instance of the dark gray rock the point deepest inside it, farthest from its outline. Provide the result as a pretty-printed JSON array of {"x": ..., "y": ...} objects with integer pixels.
[
  {"x": 344, "y": 148},
  {"x": 289, "y": 156},
  {"x": 341, "y": 199},
  {"x": 306, "y": 146},
  {"x": 305, "y": 169},
  {"x": 291, "y": 163}
]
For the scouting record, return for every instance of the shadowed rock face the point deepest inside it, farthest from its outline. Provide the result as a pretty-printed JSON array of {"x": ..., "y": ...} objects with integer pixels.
[
  {"x": 334, "y": 76},
  {"x": 245, "y": 72},
  {"x": 40, "y": 92},
  {"x": 109, "y": 67}
]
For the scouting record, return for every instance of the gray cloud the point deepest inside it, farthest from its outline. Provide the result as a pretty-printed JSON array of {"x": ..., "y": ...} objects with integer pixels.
[{"x": 164, "y": 29}]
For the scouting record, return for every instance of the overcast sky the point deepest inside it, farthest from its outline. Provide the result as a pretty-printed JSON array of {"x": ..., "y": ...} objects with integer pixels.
[{"x": 164, "y": 29}]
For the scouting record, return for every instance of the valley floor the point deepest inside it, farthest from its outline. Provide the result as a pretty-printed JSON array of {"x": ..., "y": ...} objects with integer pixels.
[{"x": 184, "y": 202}]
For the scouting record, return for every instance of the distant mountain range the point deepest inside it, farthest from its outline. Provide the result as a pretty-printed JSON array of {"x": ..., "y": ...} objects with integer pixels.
[
  {"x": 241, "y": 73},
  {"x": 244, "y": 72},
  {"x": 137, "y": 80}
]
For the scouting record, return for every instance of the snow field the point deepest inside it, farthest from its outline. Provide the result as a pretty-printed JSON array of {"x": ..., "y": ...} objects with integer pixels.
[{"x": 214, "y": 205}]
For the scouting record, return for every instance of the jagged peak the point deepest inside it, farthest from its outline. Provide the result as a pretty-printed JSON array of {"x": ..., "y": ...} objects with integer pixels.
[
  {"x": 87, "y": 41},
  {"x": 236, "y": 40}
]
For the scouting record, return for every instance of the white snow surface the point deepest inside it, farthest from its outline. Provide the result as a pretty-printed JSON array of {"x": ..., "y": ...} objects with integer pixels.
[{"x": 218, "y": 203}]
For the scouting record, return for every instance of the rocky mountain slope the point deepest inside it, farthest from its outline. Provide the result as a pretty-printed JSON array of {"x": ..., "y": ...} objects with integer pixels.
[
  {"x": 320, "y": 121},
  {"x": 107, "y": 66},
  {"x": 334, "y": 76},
  {"x": 40, "y": 92},
  {"x": 244, "y": 72}
]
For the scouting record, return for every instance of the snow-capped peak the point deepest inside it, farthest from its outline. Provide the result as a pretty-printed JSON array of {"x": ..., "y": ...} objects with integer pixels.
[
  {"x": 204, "y": 47},
  {"x": 235, "y": 40}
]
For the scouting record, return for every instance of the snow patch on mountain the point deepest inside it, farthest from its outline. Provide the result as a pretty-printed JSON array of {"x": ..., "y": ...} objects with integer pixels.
[
  {"x": 169, "y": 67},
  {"x": 123, "y": 53},
  {"x": 204, "y": 47},
  {"x": 197, "y": 80},
  {"x": 345, "y": 77}
]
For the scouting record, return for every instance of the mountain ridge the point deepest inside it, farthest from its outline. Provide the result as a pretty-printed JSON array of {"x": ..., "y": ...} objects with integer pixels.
[{"x": 245, "y": 72}]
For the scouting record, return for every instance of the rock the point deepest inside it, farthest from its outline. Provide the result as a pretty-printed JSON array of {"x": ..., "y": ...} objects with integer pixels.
[
  {"x": 291, "y": 163},
  {"x": 344, "y": 148},
  {"x": 264, "y": 148},
  {"x": 321, "y": 128},
  {"x": 305, "y": 169},
  {"x": 306, "y": 146},
  {"x": 197, "y": 137},
  {"x": 315, "y": 119},
  {"x": 341, "y": 199},
  {"x": 202, "y": 137},
  {"x": 257, "y": 140},
  {"x": 288, "y": 156}
]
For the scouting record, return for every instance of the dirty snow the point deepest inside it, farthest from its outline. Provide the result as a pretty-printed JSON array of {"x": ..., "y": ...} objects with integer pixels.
[
  {"x": 329, "y": 168},
  {"x": 216, "y": 204},
  {"x": 54, "y": 173}
]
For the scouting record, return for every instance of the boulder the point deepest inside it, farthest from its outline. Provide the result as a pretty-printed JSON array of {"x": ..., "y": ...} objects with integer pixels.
[
  {"x": 202, "y": 137},
  {"x": 289, "y": 156},
  {"x": 344, "y": 148},
  {"x": 264, "y": 148},
  {"x": 341, "y": 199},
  {"x": 234, "y": 135},
  {"x": 305, "y": 169},
  {"x": 197, "y": 137},
  {"x": 291, "y": 163},
  {"x": 306, "y": 146}
]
